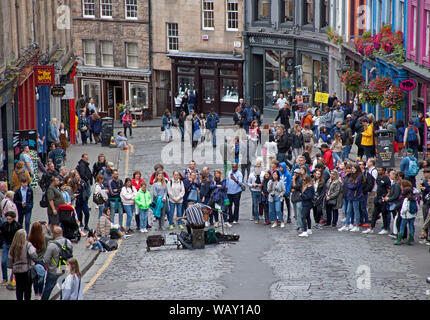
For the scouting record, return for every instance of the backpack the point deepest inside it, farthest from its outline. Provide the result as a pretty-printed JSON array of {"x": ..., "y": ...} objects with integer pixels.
[
  {"x": 412, "y": 134},
  {"x": 369, "y": 183},
  {"x": 65, "y": 253},
  {"x": 58, "y": 160},
  {"x": 413, "y": 208},
  {"x": 44, "y": 201},
  {"x": 412, "y": 168}
]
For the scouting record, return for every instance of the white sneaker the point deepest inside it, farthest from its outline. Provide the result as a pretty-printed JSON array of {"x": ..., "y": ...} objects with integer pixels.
[
  {"x": 309, "y": 231},
  {"x": 235, "y": 222},
  {"x": 343, "y": 220},
  {"x": 252, "y": 218},
  {"x": 382, "y": 232},
  {"x": 216, "y": 225},
  {"x": 344, "y": 228},
  {"x": 206, "y": 224},
  {"x": 274, "y": 225},
  {"x": 228, "y": 225},
  {"x": 355, "y": 229},
  {"x": 144, "y": 230},
  {"x": 350, "y": 227},
  {"x": 368, "y": 231},
  {"x": 304, "y": 234},
  {"x": 282, "y": 225}
]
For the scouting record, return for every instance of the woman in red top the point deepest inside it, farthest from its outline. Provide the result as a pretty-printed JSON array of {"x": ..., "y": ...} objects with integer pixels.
[
  {"x": 127, "y": 120},
  {"x": 136, "y": 182}
]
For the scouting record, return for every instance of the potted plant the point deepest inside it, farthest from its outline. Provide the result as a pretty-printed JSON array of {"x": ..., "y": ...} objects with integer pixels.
[{"x": 393, "y": 98}]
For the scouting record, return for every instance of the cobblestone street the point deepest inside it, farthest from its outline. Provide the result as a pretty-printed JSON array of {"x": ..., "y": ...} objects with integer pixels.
[{"x": 265, "y": 264}]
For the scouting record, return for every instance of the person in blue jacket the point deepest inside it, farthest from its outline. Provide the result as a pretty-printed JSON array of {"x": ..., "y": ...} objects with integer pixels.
[
  {"x": 354, "y": 193},
  {"x": 287, "y": 179},
  {"x": 307, "y": 196},
  {"x": 248, "y": 115},
  {"x": 212, "y": 121}
]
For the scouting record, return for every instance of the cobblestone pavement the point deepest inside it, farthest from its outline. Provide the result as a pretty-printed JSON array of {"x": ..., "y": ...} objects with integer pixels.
[{"x": 265, "y": 264}]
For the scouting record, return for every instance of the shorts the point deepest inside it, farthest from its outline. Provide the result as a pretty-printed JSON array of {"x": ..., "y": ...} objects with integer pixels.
[{"x": 54, "y": 219}]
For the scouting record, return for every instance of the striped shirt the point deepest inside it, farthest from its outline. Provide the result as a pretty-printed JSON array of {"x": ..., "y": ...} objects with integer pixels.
[{"x": 194, "y": 214}]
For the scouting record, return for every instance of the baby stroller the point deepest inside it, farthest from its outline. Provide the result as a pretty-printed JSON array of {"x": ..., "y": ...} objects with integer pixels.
[{"x": 68, "y": 222}]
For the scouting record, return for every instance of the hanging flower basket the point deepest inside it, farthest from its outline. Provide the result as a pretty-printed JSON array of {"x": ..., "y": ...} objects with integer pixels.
[
  {"x": 378, "y": 86},
  {"x": 352, "y": 81},
  {"x": 393, "y": 98},
  {"x": 368, "y": 96}
]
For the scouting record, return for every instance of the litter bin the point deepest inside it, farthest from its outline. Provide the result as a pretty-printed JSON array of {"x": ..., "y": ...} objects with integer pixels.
[
  {"x": 385, "y": 148},
  {"x": 107, "y": 131}
]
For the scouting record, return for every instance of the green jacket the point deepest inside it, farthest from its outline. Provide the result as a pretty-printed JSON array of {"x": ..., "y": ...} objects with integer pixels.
[{"x": 143, "y": 199}]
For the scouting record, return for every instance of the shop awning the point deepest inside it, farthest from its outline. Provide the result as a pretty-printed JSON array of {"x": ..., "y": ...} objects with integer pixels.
[
  {"x": 417, "y": 70},
  {"x": 115, "y": 71},
  {"x": 208, "y": 56}
]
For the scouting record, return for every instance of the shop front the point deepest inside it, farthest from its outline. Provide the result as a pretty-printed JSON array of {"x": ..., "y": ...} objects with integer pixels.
[
  {"x": 215, "y": 79},
  {"x": 281, "y": 64},
  {"x": 353, "y": 61},
  {"x": 111, "y": 88},
  {"x": 6, "y": 132}
]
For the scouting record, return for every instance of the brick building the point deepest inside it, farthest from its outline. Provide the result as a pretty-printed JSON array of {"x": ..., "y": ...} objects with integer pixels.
[
  {"x": 111, "y": 37},
  {"x": 197, "y": 46}
]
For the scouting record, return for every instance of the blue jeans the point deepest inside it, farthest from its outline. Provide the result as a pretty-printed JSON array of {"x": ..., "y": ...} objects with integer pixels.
[
  {"x": 364, "y": 215},
  {"x": 82, "y": 206},
  {"x": 182, "y": 132},
  {"x": 143, "y": 218},
  {"x": 297, "y": 209},
  {"x": 167, "y": 132},
  {"x": 120, "y": 212},
  {"x": 246, "y": 127},
  {"x": 275, "y": 212},
  {"x": 51, "y": 281},
  {"x": 190, "y": 106},
  {"x": 4, "y": 255},
  {"x": 26, "y": 214},
  {"x": 129, "y": 211},
  {"x": 336, "y": 157},
  {"x": 317, "y": 133},
  {"x": 353, "y": 209},
  {"x": 97, "y": 245},
  {"x": 178, "y": 207},
  {"x": 38, "y": 286},
  {"x": 101, "y": 207},
  {"x": 346, "y": 150},
  {"x": 411, "y": 226},
  {"x": 280, "y": 157},
  {"x": 414, "y": 146},
  {"x": 256, "y": 199},
  {"x": 213, "y": 132}
]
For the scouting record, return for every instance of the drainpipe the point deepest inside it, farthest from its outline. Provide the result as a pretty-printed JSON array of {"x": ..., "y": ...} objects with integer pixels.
[
  {"x": 18, "y": 54},
  {"x": 150, "y": 56}
]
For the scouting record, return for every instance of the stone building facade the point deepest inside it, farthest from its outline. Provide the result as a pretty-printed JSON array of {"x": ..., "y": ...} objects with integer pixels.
[
  {"x": 111, "y": 39},
  {"x": 197, "y": 46}
]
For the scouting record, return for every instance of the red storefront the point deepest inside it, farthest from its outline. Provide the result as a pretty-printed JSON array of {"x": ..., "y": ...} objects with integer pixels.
[{"x": 27, "y": 100}]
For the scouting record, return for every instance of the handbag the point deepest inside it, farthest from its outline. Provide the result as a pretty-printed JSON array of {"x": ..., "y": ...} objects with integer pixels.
[
  {"x": 332, "y": 202},
  {"x": 162, "y": 128},
  {"x": 33, "y": 277},
  {"x": 44, "y": 201},
  {"x": 98, "y": 199},
  {"x": 295, "y": 197},
  {"x": 243, "y": 187},
  {"x": 84, "y": 128},
  {"x": 192, "y": 196}
]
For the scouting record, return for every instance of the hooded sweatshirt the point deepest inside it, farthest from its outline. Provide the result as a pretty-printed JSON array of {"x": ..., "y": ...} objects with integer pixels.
[{"x": 286, "y": 178}]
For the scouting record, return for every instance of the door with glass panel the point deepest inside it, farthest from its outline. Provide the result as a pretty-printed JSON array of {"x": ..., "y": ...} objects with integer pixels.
[{"x": 208, "y": 95}]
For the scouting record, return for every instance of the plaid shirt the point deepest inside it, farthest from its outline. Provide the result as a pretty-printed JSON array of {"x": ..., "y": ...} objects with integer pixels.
[{"x": 21, "y": 264}]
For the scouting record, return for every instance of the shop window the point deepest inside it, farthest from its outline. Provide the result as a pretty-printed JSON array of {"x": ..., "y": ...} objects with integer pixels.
[
  {"x": 91, "y": 89},
  {"x": 89, "y": 52},
  {"x": 308, "y": 12},
  {"x": 185, "y": 84},
  {"x": 172, "y": 37},
  {"x": 210, "y": 72},
  {"x": 230, "y": 90},
  {"x": 427, "y": 34},
  {"x": 287, "y": 72},
  {"x": 208, "y": 14},
  {"x": 139, "y": 95},
  {"x": 89, "y": 8},
  {"x": 131, "y": 9},
  {"x": 324, "y": 14},
  {"x": 106, "y": 8},
  {"x": 132, "y": 55},
  {"x": 107, "y": 53},
  {"x": 232, "y": 15},
  {"x": 272, "y": 59},
  {"x": 272, "y": 86},
  {"x": 187, "y": 70},
  {"x": 225, "y": 72},
  {"x": 287, "y": 10},
  {"x": 389, "y": 11},
  {"x": 402, "y": 16},
  {"x": 208, "y": 90},
  {"x": 415, "y": 28},
  {"x": 262, "y": 10}
]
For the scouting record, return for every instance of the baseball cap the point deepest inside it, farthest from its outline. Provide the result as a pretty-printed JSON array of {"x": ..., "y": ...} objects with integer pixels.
[
  {"x": 111, "y": 165},
  {"x": 349, "y": 116},
  {"x": 297, "y": 171}
]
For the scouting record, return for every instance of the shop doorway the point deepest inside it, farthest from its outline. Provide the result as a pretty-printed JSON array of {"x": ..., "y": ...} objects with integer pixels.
[
  {"x": 118, "y": 98},
  {"x": 3, "y": 140},
  {"x": 208, "y": 95}
]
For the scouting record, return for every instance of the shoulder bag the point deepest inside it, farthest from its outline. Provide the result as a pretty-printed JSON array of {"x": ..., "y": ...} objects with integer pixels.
[{"x": 33, "y": 277}]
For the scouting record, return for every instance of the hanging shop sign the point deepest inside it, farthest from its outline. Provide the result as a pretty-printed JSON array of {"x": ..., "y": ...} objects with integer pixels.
[
  {"x": 45, "y": 75},
  {"x": 408, "y": 85},
  {"x": 58, "y": 91}
]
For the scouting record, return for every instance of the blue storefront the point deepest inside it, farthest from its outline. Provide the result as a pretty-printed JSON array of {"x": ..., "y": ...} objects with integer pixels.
[{"x": 43, "y": 112}]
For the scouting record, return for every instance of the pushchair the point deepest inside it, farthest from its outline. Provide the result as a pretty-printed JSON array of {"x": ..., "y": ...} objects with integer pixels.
[{"x": 68, "y": 222}]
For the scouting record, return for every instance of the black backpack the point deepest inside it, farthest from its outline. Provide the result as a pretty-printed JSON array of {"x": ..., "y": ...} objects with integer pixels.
[
  {"x": 369, "y": 182},
  {"x": 65, "y": 253}
]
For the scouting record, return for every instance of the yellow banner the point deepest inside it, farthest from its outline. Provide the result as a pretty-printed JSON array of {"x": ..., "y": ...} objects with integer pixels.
[
  {"x": 428, "y": 122},
  {"x": 321, "y": 97}
]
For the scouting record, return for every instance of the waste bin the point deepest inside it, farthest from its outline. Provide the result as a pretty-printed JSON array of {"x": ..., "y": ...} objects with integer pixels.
[
  {"x": 384, "y": 148},
  {"x": 107, "y": 131}
]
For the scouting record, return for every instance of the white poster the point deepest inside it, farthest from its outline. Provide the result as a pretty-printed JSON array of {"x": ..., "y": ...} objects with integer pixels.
[{"x": 69, "y": 92}]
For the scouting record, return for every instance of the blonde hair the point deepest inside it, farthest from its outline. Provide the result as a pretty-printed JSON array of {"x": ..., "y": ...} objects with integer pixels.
[
  {"x": 74, "y": 267},
  {"x": 18, "y": 243},
  {"x": 163, "y": 182},
  {"x": 10, "y": 194}
]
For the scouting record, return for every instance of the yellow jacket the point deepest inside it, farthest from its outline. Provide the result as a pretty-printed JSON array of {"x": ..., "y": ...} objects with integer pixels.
[{"x": 367, "y": 136}]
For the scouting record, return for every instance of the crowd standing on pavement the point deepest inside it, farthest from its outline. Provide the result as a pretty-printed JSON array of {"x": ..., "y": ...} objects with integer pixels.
[{"x": 302, "y": 172}]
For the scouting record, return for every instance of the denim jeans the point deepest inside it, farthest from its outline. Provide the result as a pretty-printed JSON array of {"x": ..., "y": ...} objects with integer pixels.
[
  {"x": 364, "y": 215},
  {"x": 317, "y": 133},
  {"x": 38, "y": 286},
  {"x": 346, "y": 150},
  {"x": 27, "y": 215},
  {"x": 345, "y": 206},
  {"x": 297, "y": 209},
  {"x": 143, "y": 218},
  {"x": 97, "y": 245},
  {"x": 275, "y": 212},
  {"x": 101, "y": 207},
  {"x": 256, "y": 199},
  {"x": 167, "y": 132},
  {"x": 129, "y": 211},
  {"x": 120, "y": 211},
  {"x": 178, "y": 207},
  {"x": 353, "y": 210},
  {"x": 411, "y": 226},
  {"x": 414, "y": 146},
  {"x": 213, "y": 132},
  {"x": 182, "y": 132},
  {"x": 82, "y": 206},
  {"x": 190, "y": 106},
  {"x": 234, "y": 200},
  {"x": 4, "y": 256},
  {"x": 280, "y": 157},
  {"x": 336, "y": 157},
  {"x": 51, "y": 281}
]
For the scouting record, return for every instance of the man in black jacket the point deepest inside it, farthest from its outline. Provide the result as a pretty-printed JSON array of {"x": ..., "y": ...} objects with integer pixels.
[
  {"x": 7, "y": 232},
  {"x": 284, "y": 114},
  {"x": 284, "y": 144},
  {"x": 84, "y": 171},
  {"x": 47, "y": 177},
  {"x": 23, "y": 199}
]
